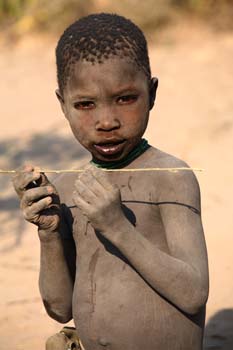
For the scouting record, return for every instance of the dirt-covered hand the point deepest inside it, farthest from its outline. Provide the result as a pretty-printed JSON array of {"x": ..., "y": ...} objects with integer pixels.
[
  {"x": 98, "y": 199},
  {"x": 39, "y": 199}
]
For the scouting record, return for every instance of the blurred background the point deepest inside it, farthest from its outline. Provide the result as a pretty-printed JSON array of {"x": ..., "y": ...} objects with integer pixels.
[
  {"x": 191, "y": 50},
  {"x": 23, "y": 16}
]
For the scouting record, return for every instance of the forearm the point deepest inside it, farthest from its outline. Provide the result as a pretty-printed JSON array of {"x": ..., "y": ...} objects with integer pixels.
[
  {"x": 55, "y": 283},
  {"x": 176, "y": 280}
]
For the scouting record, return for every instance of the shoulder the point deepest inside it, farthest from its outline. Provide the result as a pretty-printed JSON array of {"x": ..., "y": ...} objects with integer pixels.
[
  {"x": 180, "y": 185},
  {"x": 163, "y": 159}
]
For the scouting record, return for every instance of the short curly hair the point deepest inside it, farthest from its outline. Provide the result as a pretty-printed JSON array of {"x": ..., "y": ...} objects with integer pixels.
[{"x": 97, "y": 37}]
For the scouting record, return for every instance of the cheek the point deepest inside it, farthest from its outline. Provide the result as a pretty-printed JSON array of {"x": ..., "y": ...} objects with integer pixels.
[
  {"x": 136, "y": 120},
  {"x": 81, "y": 128},
  {"x": 140, "y": 125}
]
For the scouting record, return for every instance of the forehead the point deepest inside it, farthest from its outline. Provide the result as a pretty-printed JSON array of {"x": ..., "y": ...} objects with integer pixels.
[{"x": 113, "y": 74}]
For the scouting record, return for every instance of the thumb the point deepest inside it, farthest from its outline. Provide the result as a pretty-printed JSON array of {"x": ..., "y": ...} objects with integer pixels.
[{"x": 43, "y": 180}]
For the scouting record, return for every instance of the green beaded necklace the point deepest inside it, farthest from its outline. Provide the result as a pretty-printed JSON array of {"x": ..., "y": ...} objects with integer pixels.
[{"x": 136, "y": 152}]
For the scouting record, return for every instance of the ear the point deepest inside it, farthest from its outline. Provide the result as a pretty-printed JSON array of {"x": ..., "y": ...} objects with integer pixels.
[
  {"x": 61, "y": 100},
  {"x": 152, "y": 91}
]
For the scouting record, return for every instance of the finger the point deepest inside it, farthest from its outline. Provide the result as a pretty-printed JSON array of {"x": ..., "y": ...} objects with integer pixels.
[
  {"x": 25, "y": 168},
  {"x": 101, "y": 177},
  {"x": 90, "y": 181},
  {"x": 35, "y": 194},
  {"x": 44, "y": 180},
  {"x": 22, "y": 179},
  {"x": 31, "y": 212},
  {"x": 84, "y": 169},
  {"x": 80, "y": 202},
  {"x": 85, "y": 192}
]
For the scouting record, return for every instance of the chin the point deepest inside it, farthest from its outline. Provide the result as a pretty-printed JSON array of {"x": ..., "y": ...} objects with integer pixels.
[{"x": 113, "y": 158}]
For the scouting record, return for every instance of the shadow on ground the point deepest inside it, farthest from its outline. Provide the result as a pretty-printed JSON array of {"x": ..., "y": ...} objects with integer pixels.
[
  {"x": 219, "y": 331},
  {"x": 47, "y": 150}
]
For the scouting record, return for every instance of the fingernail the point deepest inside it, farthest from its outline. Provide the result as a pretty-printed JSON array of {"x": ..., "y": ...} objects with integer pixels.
[
  {"x": 50, "y": 189},
  {"x": 28, "y": 168}
]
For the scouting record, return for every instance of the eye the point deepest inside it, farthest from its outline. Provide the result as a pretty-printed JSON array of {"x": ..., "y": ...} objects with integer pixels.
[
  {"x": 127, "y": 99},
  {"x": 84, "y": 105}
]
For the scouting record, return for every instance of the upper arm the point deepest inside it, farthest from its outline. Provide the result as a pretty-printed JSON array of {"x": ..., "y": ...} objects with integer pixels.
[{"x": 179, "y": 204}]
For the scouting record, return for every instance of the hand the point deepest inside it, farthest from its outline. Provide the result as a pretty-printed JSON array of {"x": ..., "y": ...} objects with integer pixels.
[
  {"x": 98, "y": 199},
  {"x": 39, "y": 199}
]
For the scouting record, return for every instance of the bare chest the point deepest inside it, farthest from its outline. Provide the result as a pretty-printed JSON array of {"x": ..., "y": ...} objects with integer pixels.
[{"x": 140, "y": 206}]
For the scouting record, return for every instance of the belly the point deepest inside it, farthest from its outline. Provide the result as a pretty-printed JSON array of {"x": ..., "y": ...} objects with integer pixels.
[{"x": 113, "y": 307}]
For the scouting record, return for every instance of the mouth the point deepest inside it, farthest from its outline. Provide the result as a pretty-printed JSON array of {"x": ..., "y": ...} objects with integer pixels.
[{"x": 110, "y": 147}]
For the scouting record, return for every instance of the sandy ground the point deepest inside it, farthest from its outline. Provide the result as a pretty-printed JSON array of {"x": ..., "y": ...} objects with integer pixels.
[{"x": 192, "y": 120}]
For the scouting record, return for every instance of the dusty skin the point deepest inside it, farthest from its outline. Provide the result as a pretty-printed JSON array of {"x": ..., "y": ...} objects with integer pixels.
[
  {"x": 141, "y": 278},
  {"x": 109, "y": 265},
  {"x": 142, "y": 269},
  {"x": 197, "y": 118}
]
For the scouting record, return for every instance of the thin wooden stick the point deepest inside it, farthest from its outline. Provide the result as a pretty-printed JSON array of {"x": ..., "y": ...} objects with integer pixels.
[
  {"x": 60, "y": 171},
  {"x": 81, "y": 345}
]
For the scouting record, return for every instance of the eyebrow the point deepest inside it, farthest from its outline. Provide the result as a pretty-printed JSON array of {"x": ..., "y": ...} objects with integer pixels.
[
  {"x": 127, "y": 89},
  {"x": 82, "y": 97},
  {"x": 124, "y": 90}
]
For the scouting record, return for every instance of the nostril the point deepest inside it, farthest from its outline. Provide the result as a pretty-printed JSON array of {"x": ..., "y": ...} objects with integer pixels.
[
  {"x": 108, "y": 125},
  {"x": 103, "y": 128}
]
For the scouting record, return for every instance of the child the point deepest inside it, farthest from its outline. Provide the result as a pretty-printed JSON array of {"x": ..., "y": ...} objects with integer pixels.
[{"x": 140, "y": 277}]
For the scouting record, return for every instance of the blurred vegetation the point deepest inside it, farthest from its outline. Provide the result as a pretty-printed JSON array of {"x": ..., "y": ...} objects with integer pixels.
[{"x": 23, "y": 16}]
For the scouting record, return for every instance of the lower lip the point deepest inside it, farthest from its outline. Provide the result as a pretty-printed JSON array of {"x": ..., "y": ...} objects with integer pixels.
[{"x": 109, "y": 150}]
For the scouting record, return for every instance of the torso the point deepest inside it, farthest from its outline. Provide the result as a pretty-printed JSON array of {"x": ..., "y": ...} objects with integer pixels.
[{"x": 113, "y": 307}]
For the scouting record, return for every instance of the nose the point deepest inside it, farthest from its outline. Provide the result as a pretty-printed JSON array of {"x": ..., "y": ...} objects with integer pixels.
[{"x": 107, "y": 120}]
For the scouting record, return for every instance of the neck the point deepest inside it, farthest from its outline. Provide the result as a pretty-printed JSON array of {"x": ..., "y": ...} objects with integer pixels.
[{"x": 140, "y": 148}]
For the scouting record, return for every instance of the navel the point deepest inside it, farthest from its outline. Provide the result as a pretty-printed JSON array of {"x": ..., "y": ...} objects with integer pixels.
[{"x": 103, "y": 341}]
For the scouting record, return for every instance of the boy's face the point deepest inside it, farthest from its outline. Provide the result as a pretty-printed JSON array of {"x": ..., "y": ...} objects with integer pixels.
[{"x": 107, "y": 106}]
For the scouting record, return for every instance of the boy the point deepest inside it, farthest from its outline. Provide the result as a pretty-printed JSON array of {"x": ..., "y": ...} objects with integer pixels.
[{"x": 122, "y": 253}]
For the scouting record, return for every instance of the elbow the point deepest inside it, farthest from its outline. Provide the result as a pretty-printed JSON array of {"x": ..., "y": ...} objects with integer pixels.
[
  {"x": 58, "y": 312},
  {"x": 195, "y": 303},
  {"x": 192, "y": 309},
  {"x": 61, "y": 318}
]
